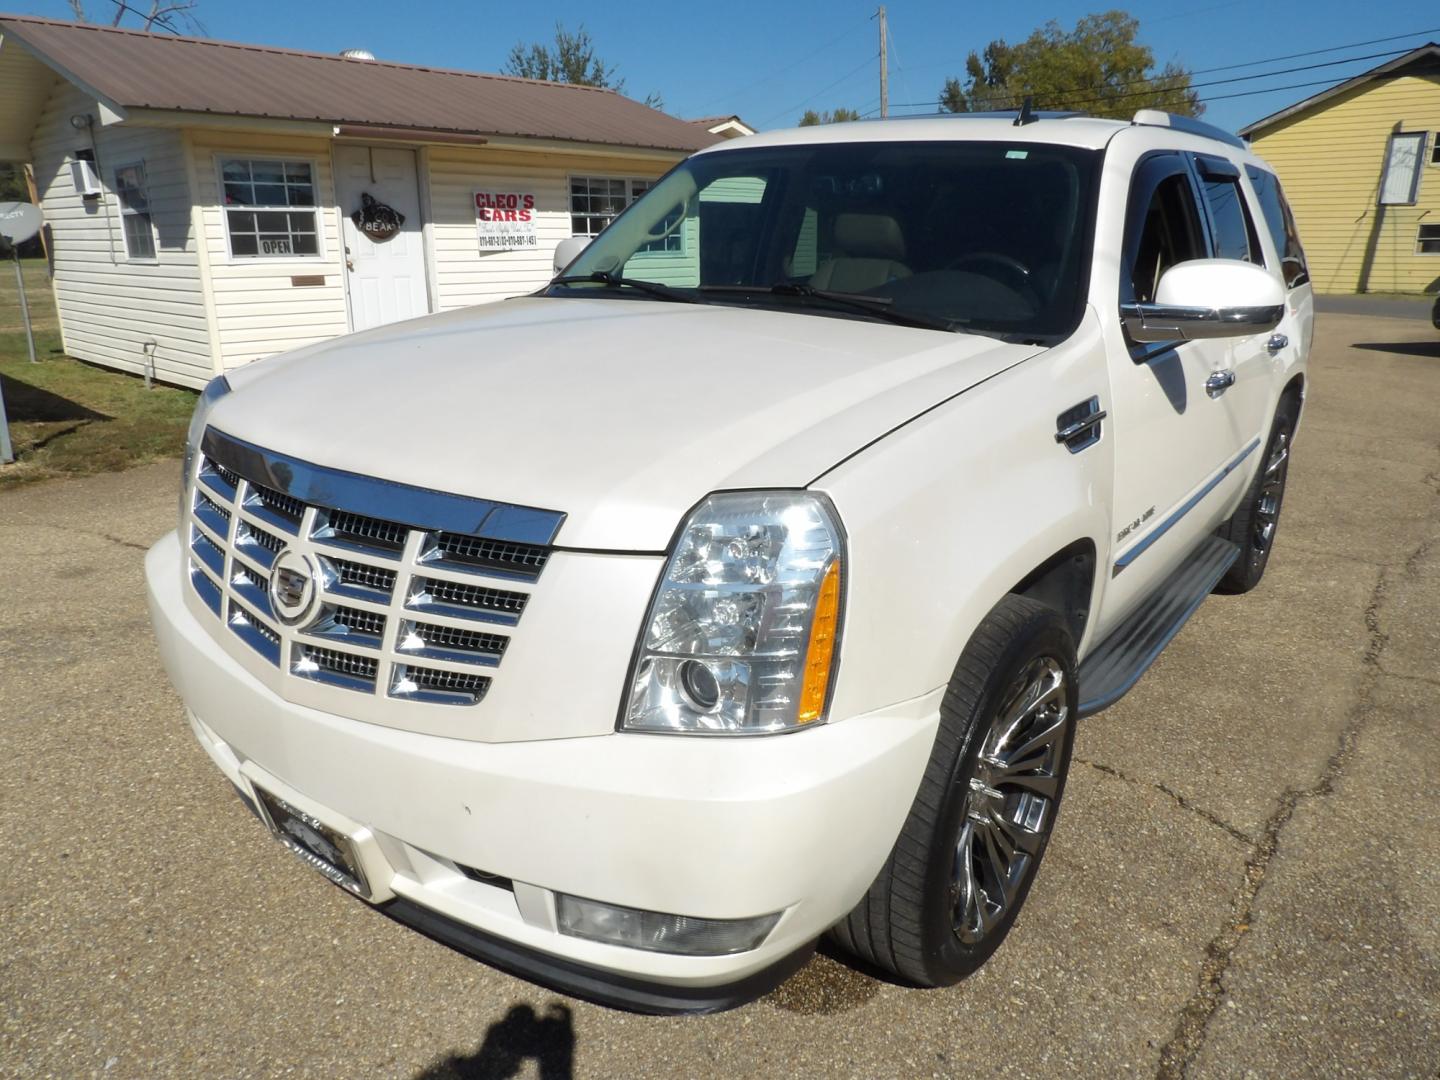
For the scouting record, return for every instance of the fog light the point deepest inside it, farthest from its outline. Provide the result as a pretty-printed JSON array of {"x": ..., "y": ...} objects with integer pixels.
[{"x": 657, "y": 932}]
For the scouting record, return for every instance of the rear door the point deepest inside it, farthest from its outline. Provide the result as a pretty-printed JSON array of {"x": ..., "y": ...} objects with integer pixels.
[
  {"x": 1255, "y": 360},
  {"x": 1298, "y": 326}
]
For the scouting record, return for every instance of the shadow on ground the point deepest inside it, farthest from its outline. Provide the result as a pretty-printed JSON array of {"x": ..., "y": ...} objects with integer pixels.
[
  {"x": 30, "y": 404},
  {"x": 522, "y": 1036},
  {"x": 1404, "y": 348}
]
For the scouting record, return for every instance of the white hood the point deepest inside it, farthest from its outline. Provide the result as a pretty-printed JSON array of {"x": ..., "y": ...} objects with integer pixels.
[{"x": 620, "y": 413}]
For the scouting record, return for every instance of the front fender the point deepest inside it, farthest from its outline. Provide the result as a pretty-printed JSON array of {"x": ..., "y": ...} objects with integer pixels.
[{"x": 950, "y": 512}]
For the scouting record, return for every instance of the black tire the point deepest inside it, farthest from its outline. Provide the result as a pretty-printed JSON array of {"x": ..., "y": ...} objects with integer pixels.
[
  {"x": 907, "y": 923},
  {"x": 1254, "y": 524}
]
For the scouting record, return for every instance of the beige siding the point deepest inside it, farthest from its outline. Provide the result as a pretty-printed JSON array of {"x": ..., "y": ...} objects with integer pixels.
[
  {"x": 111, "y": 307},
  {"x": 463, "y": 275},
  {"x": 1330, "y": 158},
  {"x": 258, "y": 310}
]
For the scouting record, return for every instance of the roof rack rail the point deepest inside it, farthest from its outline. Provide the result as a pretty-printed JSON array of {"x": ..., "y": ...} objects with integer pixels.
[
  {"x": 1187, "y": 124},
  {"x": 1010, "y": 114}
]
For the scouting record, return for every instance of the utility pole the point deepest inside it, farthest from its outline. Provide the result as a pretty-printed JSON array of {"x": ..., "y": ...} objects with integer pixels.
[{"x": 884, "y": 66}]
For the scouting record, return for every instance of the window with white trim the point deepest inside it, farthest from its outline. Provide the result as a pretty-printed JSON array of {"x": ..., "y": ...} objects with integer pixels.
[
  {"x": 1427, "y": 240},
  {"x": 595, "y": 201},
  {"x": 270, "y": 208},
  {"x": 134, "y": 199},
  {"x": 1400, "y": 182}
]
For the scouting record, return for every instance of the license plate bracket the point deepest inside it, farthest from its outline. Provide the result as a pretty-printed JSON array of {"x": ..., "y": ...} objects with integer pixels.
[{"x": 320, "y": 846}]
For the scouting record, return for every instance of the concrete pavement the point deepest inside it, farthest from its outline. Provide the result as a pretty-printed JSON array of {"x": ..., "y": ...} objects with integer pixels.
[{"x": 1245, "y": 879}]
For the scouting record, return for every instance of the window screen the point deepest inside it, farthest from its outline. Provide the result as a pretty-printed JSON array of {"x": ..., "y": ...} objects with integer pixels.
[{"x": 1400, "y": 182}]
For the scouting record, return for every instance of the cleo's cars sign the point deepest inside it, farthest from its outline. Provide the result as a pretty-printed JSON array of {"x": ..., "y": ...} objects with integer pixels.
[{"x": 505, "y": 220}]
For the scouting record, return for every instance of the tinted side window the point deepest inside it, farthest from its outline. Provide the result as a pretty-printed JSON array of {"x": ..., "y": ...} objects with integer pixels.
[
  {"x": 1281, "y": 224},
  {"x": 1230, "y": 218},
  {"x": 1168, "y": 233}
]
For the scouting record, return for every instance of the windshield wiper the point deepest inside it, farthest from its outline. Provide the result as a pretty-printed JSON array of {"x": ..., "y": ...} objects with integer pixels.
[
  {"x": 615, "y": 281},
  {"x": 881, "y": 307}
]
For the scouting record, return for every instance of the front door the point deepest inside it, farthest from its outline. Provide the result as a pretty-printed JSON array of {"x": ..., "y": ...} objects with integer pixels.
[
  {"x": 1179, "y": 459},
  {"x": 380, "y": 226}
]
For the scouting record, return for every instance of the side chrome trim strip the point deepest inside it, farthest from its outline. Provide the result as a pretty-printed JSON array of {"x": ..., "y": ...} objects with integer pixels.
[
  {"x": 416, "y": 507},
  {"x": 1143, "y": 544}
]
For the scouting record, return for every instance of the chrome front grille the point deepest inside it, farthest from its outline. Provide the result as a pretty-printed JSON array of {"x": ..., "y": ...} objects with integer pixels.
[{"x": 404, "y": 609}]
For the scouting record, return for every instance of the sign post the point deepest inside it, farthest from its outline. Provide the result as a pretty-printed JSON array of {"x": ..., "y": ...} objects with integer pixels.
[{"x": 18, "y": 223}]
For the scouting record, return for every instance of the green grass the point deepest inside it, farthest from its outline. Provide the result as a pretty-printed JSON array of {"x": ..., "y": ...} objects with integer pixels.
[{"x": 69, "y": 418}]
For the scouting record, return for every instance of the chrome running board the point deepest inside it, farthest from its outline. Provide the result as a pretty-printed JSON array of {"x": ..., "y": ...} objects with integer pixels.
[{"x": 1116, "y": 664}]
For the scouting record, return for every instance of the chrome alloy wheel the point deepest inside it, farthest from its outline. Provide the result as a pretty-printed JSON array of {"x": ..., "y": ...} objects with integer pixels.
[
  {"x": 1010, "y": 807},
  {"x": 1272, "y": 491}
]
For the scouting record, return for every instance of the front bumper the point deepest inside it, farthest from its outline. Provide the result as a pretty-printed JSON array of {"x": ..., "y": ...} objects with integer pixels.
[{"x": 713, "y": 828}]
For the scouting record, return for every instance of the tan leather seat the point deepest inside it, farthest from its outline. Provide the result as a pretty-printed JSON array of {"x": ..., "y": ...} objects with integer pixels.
[{"x": 869, "y": 251}]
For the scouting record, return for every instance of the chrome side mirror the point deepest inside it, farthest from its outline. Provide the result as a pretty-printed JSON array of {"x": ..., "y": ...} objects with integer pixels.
[{"x": 1208, "y": 298}]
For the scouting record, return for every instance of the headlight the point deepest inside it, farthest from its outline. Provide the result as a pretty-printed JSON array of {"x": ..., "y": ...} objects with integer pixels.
[
  {"x": 741, "y": 637},
  {"x": 214, "y": 390}
]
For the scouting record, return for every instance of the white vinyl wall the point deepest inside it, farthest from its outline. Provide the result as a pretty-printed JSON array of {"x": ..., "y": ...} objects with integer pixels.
[
  {"x": 201, "y": 307},
  {"x": 114, "y": 309}
]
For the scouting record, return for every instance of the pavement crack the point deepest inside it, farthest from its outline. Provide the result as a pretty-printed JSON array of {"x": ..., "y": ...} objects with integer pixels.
[
  {"x": 1179, "y": 800},
  {"x": 1185, "y": 1042},
  {"x": 90, "y": 533}
]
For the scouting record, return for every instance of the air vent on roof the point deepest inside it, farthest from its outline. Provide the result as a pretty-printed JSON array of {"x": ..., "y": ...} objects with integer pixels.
[{"x": 357, "y": 54}]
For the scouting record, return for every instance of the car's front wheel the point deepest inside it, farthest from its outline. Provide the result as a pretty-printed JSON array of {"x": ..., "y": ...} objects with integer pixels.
[{"x": 970, "y": 848}]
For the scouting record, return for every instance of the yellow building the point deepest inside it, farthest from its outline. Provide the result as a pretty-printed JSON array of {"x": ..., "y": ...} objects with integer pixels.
[{"x": 1360, "y": 163}]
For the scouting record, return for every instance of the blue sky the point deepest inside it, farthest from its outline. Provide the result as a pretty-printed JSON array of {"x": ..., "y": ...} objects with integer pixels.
[{"x": 768, "y": 62}]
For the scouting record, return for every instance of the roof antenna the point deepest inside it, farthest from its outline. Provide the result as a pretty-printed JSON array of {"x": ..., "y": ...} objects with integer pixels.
[{"x": 1027, "y": 112}]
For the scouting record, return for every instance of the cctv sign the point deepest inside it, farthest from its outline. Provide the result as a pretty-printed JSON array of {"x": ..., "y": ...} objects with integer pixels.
[{"x": 505, "y": 220}]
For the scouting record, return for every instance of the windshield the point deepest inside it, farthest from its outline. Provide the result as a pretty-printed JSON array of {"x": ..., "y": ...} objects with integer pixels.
[{"x": 982, "y": 236}]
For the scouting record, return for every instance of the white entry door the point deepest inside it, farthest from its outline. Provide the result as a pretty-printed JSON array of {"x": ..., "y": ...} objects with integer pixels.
[{"x": 385, "y": 277}]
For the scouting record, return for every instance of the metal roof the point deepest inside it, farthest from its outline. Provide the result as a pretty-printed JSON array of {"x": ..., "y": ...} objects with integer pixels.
[
  {"x": 1389, "y": 69},
  {"x": 133, "y": 69}
]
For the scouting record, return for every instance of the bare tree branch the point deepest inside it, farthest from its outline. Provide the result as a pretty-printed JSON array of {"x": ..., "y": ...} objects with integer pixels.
[{"x": 171, "y": 16}]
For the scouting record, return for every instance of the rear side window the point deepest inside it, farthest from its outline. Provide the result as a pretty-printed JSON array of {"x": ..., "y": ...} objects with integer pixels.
[
  {"x": 1281, "y": 223},
  {"x": 1230, "y": 219}
]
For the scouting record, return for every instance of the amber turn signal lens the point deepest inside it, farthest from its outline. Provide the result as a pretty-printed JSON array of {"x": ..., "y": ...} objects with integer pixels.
[{"x": 821, "y": 653}]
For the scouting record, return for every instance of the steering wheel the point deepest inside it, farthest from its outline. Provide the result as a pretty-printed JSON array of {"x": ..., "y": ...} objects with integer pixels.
[{"x": 1012, "y": 267}]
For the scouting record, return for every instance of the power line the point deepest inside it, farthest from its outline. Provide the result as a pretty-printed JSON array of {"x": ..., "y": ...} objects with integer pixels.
[
  {"x": 788, "y": 67},
  {"x": 1227, "y": 97},
  {"x": 1268, "y": 59},
  {"x": 848, "y": 75},
  {"x": 1315, "y": 52},
  {"x": 1157, "y": 83}
]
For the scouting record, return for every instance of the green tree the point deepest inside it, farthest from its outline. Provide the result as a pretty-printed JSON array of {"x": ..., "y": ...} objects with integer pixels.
[
  {"x": 1098, "y": 68},
  {"x": 841, "y": 115},
  {"x": 12, "y": 184},
  {"x": 571, "y": 59}
]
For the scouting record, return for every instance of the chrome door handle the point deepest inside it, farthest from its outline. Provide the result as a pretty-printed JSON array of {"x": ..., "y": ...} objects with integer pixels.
[
  {"x": 1277, "y": 342},
  {"x": 1219, "y": 382}
]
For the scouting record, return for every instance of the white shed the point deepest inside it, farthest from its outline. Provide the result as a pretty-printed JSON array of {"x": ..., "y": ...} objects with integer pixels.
[{"x": 209, "y": 203}]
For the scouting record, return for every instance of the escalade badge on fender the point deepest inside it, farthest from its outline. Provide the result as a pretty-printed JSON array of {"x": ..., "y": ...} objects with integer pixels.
[{"x": 294, "y": 591}]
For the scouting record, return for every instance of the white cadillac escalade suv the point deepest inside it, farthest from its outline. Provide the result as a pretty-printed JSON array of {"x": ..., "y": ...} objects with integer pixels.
[{"x": 746, "y": 583}]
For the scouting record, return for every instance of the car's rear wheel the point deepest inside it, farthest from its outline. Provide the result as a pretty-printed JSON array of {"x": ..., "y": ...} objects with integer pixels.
[
  {"x": 1254, "y": 524},
  {"x": 970, "y": 848}
]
